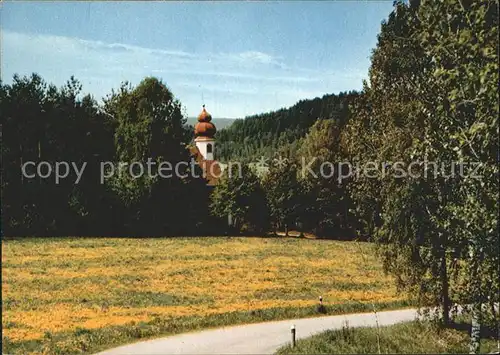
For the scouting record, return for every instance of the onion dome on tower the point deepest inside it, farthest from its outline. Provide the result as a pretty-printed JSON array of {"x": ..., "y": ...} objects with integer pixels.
[
  {"x": 204, "y": 133},
  {"x": 204, "y": 128}
]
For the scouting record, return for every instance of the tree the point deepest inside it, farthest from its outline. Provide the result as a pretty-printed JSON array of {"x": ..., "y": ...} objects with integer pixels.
[
  {"x": 465, "y": 128},
  {"x": 42, "y": 123},
  {"x": 150, "y": 128},
  {"x": 430, "y": 98},
  {"x": 321, "y": 176},
  {"x": 240, "y": 195},
  {"x": 283, "y": 195},
  {"x": 388, "y": 124}
]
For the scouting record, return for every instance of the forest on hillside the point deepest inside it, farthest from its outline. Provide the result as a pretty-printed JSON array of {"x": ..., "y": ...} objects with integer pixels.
[
  {"x": 280, "y": 131},
  {"x": 431, "y": 96},
  {"x": 220, "y": 123}
]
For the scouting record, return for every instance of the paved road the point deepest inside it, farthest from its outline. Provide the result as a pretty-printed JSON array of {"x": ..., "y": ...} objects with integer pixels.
[{"x": 259, "y": 338}]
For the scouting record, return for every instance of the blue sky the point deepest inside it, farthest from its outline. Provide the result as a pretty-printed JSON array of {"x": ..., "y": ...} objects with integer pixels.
[{"x": 241, "y": 58}]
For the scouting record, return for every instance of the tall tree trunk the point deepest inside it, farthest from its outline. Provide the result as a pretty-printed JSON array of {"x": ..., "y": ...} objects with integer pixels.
[
  {"x": 445, "y": 296},
  {"x": 475, "y": 333}
]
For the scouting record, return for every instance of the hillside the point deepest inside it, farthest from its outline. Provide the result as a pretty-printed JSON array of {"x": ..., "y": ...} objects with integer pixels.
[
  {"x": 267, "y": 133},
  {"x": 220, "y": 123}
]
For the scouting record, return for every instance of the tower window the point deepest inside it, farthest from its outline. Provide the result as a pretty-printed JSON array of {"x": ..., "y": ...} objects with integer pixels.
[{"x": 209, "y": 148}]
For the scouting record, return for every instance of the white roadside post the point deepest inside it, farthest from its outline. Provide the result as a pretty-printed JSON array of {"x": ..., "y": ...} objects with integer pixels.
[{"x": 293, "y": 335}]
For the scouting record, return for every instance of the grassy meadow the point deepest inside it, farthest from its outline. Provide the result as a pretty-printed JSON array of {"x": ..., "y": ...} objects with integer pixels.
[
  {"x": 73, "y": 295},
  {"x": 417, "y": 337}
]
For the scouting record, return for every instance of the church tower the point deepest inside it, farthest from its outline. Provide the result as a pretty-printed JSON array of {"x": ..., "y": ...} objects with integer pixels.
[{"x": 204, "y": 132}]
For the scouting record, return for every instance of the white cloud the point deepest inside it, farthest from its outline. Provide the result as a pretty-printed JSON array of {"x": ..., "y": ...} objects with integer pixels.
[
  {"x": 256, "y": 56},
  {"x": 259, "y": 56},
  {"x": 237, "y": 83}
]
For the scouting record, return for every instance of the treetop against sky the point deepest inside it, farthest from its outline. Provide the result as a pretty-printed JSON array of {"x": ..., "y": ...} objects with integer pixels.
[{"x": 239, "y": 58}]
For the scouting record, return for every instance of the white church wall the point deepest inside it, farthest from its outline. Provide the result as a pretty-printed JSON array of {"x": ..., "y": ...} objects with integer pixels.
[{"x": 205, "y": 151}]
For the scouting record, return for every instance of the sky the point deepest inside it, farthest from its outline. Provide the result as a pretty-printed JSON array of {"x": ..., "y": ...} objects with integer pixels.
[{"x": 239, "y": 58}]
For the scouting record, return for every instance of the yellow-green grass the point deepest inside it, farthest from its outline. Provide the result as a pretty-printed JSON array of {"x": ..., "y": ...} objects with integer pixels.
[
  {"x": 417, "y": 337},
  {"x": 82, "y": 294}
]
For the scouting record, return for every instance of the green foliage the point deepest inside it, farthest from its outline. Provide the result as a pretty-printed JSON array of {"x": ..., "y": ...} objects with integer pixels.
[
  {"x": 43, "y": 123},
  {"x": 326, "y": 202},
  {"x": 283, "y": 194},
  {"x": 239, "y": 194},
  {"x": 149, "y": 122},
  {"x": 264, "y": 134},
  {"x": 150, "y": 125},
  {"x": 465, "y": 123},
  {"x": 431, "y": 96}
]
